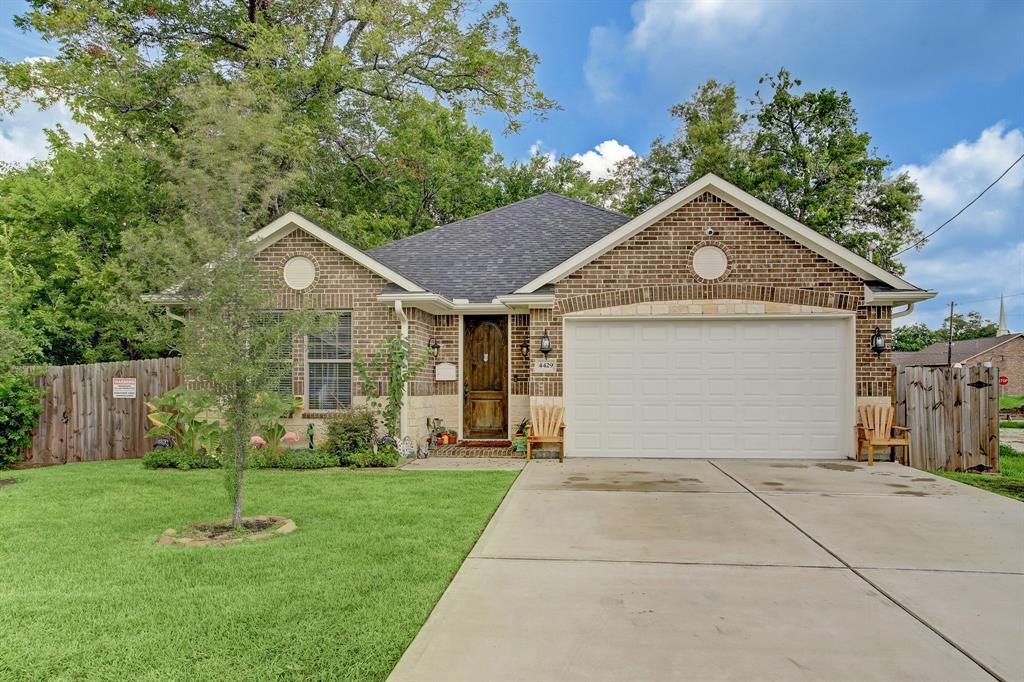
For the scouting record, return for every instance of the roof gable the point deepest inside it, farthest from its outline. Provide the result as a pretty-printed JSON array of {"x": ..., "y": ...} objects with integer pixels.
[
  {"x": 742, "y": 200},
  {"x": 291, "y": 221}
]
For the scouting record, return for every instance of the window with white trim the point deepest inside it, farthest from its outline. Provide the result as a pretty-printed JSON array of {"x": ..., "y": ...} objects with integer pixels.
[{"x": 329, "y": 365}]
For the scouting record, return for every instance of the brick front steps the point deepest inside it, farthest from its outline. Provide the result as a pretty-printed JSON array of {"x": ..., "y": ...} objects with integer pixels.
[{"x": 476, "y": 451}]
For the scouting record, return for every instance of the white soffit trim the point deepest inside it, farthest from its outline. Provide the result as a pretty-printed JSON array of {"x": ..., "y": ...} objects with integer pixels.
[
  {"x": 281, "y": 227},
  {"x": 726, "y": 191}
]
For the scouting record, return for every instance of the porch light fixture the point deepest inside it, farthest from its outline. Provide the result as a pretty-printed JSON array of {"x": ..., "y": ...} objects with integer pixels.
[
  {"x": 878, "y": 342},
  {"x": 524, "y": 347},
  {"x": 545, "y": 343},
  {"x": 434, "y": 346}
]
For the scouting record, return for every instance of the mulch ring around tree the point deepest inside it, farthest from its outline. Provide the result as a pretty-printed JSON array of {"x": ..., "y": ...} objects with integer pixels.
[
  {"x": 7, "y": 481},
  {"x": 221, "y": 533}
]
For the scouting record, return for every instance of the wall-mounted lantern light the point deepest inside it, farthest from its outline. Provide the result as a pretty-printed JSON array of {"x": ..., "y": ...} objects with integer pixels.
[
  {"x": 524, "y": 348},
  {"x": 545, "y": 343},
  {"x": 434, "y": 346},
  {"x": 878, "y": 342}
]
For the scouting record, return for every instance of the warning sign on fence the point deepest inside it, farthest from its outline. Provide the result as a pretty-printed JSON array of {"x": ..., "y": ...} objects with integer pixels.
[{"x": 124, "y": 387}]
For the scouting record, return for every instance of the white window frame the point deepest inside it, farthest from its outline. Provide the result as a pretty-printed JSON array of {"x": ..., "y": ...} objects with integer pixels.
[{"x": 306, "y": 363}]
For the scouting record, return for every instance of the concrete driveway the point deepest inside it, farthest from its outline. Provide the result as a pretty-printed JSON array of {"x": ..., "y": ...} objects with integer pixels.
[{"x": 733, "y": 570}]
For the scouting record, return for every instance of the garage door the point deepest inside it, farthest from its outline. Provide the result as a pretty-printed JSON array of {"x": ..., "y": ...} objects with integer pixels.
[{"x": 709, "y": 388}]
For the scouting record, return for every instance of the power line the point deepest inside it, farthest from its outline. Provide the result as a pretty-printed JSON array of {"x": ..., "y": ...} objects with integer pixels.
[
  {"x": 994, "y": 298},
  {"x": 955, "y": 215}
]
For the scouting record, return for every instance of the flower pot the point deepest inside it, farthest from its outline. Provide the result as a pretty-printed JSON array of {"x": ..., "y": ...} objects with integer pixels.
[{"x": 519, "y": 443}]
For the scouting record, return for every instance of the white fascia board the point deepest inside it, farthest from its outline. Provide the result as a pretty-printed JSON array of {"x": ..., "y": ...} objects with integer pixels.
[
  {"x": 751, "y": 205},
  {"x": 281, "y": 227},
  {"x": 439, "y": 305},
  {"x": 896, "y": 297},
  {"x": 526, "y": 300}
]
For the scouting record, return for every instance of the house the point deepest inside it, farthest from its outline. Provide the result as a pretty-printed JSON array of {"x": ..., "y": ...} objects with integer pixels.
[
  {"x": 712, "y": 325},
  {"x": 1005, "y": 352}
]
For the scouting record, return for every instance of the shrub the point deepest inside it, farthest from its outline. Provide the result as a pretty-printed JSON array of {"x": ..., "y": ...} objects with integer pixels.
[
  {"x": 19, "y": 412},
  {"x": 349, "y": 432},
  {"x": 294, "y": 459},
  {"x": 176, "y": 458},
  {"x": 177, "y": 414},
  {"x": 386, "y": 456}
]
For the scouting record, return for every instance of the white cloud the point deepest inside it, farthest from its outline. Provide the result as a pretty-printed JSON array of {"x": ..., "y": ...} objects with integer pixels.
[
  {"x": 600, "y": 161},
  {"x": 981, "y": 254},
  {"x": 23, "y": 136},
  {"x": 658, "y": 23},
  {"x": 537, "y": 149},
  {"x": 672, "y": 38}
]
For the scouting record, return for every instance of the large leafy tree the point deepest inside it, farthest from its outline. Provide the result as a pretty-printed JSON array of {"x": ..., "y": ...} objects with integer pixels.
[
  {"x": 61, "y": 226},
  {"x": 801, "y": 152},
  {"x": 122, "y": 64},
  {"x": 914, "y": 337},
  {"x": 542, "y": 173}
]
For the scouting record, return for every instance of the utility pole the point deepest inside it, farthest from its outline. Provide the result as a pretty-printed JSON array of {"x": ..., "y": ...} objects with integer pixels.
[{"x": 949, "y": 343}]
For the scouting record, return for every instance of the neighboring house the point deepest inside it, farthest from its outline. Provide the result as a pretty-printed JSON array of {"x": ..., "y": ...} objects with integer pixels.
[
  {"x": 712, "y": 325},
  {"x": 1005, "y": 352}
]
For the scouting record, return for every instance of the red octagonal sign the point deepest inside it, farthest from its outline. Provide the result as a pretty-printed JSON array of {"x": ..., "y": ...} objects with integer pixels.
[{"x": 1004, "y": 380}]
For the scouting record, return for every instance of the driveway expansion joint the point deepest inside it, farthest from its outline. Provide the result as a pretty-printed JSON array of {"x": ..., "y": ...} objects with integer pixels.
[{"x": 860, "y": 575}]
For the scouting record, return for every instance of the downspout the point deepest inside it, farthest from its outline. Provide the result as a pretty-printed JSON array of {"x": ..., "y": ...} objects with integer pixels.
[
  {"x": 173, "y": 316},
  {"x": 403, "y": 424},
  {"x": 903, "y": 313}
]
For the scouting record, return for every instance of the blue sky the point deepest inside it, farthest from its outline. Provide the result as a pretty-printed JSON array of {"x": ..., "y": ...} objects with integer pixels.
[{"x": 940, "y": 86}]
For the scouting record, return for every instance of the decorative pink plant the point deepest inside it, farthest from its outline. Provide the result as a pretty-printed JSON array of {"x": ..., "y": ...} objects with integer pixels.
[
  {"x": 290, "y": 437},
  {"x": 257, "y": 440}
]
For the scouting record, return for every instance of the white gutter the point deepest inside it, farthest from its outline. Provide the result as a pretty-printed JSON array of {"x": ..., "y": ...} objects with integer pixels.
[
  {"x": 897, "y": 297},
  {"x": 403, "y": 424},
  {"x": 439, "y": 305}
]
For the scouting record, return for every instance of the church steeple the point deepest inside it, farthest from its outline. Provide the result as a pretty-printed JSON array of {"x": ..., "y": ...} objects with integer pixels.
[{"x": 1002, "y": 331}]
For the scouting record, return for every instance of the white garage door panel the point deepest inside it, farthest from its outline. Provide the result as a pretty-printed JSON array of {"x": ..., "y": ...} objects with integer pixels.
[{"x": 708, "y": 388}]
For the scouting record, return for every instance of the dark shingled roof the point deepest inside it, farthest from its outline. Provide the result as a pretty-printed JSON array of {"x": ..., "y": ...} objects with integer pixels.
[
  {"x": 935, "y": 354},
  {"x": 497, "y": 252}
]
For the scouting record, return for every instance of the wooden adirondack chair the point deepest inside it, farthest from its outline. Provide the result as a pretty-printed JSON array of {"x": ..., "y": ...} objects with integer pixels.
[
  {"x": 877, "y": 430},
  {"x": 546, "y": 426}
]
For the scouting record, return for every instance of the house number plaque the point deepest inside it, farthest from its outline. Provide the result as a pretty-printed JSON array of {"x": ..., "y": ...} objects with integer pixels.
[{"x": 544, "y": 367}]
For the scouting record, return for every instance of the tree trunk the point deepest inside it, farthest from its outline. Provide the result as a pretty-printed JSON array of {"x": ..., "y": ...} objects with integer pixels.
[
  {"x": 236, "y": 517},
  {"x": 241, "y": 433}
]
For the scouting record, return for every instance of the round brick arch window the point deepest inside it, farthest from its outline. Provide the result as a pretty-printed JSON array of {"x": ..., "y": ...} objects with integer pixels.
[{"x": 710, "y": 262}]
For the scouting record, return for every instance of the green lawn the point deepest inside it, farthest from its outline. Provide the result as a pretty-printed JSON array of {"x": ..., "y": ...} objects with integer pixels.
[
  {"x": 1009, "y": 482},
  {"x": 1011, "y": 402},
  {"x": 86, "y": 593}
]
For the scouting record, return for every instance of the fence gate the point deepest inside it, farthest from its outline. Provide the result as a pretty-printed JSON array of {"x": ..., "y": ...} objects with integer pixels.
[
  {"x": 953, "y": 416},
  {"x": 85, "y": 419}
]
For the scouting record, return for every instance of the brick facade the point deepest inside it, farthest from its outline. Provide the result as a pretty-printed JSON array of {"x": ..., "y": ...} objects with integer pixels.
[
  {"x": 651, "y": 273},
  {"x": 655, "y": 265},
  {"x": 1009, "y": 358},
  {"x": 340, "y": 284}
]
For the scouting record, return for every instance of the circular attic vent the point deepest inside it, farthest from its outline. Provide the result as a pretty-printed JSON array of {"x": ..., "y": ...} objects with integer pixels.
[
  {"x": 709, "y": 262},
  {"x": 299, "y": 272}
]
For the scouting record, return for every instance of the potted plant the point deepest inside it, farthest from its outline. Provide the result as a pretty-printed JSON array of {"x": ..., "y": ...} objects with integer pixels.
[{"x": 519, "y": 440}]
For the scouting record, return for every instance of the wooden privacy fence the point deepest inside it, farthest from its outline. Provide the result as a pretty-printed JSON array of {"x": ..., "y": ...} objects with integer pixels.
[
  {"x": 83, "y": 419},
  {"x": 953, "y": 416}
]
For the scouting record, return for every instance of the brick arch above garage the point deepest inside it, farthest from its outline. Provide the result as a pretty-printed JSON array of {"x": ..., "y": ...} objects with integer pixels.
[{"x": 658, "y": 293}]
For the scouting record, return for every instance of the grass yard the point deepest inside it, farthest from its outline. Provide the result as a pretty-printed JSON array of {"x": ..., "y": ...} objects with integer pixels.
[
  {"x": 1010, "y": 482},
  {"x": 87, "y": 593},
  {"x": 1011, "y": 402}
]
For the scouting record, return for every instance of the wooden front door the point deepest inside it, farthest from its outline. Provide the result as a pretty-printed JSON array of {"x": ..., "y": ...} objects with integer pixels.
[{"x": 485, "y": 370}]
